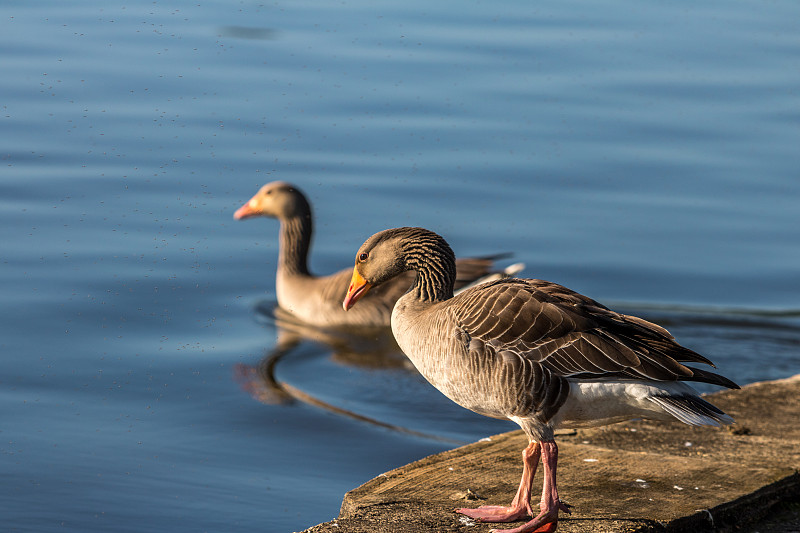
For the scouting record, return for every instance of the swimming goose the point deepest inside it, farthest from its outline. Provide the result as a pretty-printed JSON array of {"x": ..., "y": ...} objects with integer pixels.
[
  {"x": 533, "y": 352},
  {"x": 317, "y": 300}
]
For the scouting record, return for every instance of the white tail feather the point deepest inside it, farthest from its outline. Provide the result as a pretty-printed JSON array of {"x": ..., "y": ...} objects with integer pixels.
[{"x": 692, "y": 410}]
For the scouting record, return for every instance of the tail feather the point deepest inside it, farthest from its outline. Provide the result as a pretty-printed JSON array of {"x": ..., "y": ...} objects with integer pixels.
[
  {"x": 692, "y": 410},
  {"x": 508, "y": 272}
]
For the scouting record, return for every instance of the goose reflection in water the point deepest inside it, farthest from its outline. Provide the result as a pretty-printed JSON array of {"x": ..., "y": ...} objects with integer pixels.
[{"x": 363, "y": 347}]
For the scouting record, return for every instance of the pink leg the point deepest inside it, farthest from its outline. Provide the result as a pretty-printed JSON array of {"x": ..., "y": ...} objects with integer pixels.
[
  {"x": 547, "y": 520},
  {"x": 521, "y": 506}
]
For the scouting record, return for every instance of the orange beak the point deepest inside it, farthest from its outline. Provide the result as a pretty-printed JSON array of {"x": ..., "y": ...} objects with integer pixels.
[
  {"x": 358, "y": 288},
  {"x": 250, "y": 209}
]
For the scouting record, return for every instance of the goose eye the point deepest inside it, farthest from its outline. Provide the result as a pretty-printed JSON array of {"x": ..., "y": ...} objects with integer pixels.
[{"x": 363, "y": 256}]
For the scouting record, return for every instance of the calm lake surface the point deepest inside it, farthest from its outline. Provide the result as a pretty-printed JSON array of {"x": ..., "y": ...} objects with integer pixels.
[{"x": 647, "y": 155}]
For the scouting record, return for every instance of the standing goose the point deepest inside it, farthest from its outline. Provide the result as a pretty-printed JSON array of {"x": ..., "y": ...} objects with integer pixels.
[
  {"x": 317, "y": 300},
  {"x": 533, "y": 352}
]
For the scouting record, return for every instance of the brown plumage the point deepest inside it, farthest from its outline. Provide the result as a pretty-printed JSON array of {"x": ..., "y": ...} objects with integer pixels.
[
  {"x": 531, "y": 351},
  {"x": 316, "y": 300}
]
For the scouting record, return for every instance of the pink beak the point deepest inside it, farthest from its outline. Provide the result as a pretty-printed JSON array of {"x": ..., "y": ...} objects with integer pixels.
[{"x": 245, "y": 212}]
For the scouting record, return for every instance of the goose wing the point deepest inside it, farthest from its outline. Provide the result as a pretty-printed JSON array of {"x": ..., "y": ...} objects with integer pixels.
[{"x": 571, "y": 335}]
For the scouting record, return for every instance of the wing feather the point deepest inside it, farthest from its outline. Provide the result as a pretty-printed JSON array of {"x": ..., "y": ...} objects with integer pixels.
[{"x": 571, "y": 335}]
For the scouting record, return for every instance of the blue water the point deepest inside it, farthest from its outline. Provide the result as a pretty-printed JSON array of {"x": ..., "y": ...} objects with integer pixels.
[{"x": 644, "y": 154}]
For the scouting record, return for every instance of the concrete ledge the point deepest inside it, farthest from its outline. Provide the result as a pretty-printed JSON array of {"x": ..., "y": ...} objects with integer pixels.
[{"x": 636, "y": 476}]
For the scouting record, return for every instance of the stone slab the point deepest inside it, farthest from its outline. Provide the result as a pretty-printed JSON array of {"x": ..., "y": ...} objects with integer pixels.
[{"x": 637, "y": 476}]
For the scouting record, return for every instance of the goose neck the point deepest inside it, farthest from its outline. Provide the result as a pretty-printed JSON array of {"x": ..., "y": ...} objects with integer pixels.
[
  {"x": 295, "y": 241},
  {"x": 436, "y": 274}
]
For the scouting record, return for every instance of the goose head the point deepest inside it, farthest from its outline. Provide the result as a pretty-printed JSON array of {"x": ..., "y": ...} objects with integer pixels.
[
  {"x": 391, "y": 252},
  {"x": 278, "y": 199}
]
